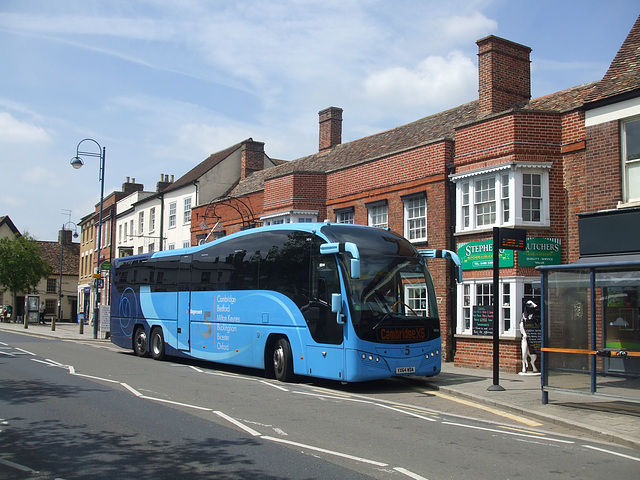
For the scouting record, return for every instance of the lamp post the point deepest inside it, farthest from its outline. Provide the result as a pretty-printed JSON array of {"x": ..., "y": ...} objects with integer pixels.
[
  {"x": 62, "y": 240},
  {"x": 77, "y": 162}
]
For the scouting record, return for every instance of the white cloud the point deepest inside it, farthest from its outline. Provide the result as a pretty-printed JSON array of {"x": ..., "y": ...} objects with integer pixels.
[
  {"x": 13, "y": 130},
  {"x": 466, "y": 29},
  {"x": 436, "y": 82}
]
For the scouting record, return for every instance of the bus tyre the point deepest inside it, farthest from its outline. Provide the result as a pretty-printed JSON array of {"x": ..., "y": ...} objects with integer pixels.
[
  {"x": 282, "y": 360},
  {"x": 140, "y": 344},
  {"x": 157, "y": 344}
]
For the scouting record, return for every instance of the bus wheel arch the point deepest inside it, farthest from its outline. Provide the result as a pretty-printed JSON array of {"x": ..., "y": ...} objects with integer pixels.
[
  {"x": 156, "y": 344},
  {"x": 140, "y": 341},
  {"x": 280, "y": 359}
]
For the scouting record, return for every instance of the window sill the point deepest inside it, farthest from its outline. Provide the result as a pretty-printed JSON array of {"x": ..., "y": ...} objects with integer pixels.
[
  {"x": 468, "y": 336},
  {"x": 623, "y": 205},
  {"x": 528, "y": 226}
]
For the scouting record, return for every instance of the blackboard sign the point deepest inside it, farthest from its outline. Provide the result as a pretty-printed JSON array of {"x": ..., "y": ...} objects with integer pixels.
[{"x": 482, "y": 320}]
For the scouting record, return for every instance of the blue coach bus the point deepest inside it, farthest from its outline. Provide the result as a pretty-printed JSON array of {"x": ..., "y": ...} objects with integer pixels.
[{"x": 343, "y": 302}]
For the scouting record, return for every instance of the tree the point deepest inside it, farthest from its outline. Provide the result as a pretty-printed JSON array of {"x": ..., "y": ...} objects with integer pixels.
[{"x": 21, "y": 265}]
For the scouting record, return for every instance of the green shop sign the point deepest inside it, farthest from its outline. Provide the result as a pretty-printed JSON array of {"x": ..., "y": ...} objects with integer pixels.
[
  {"x": 477, "y": 255},
  {"x": 540, "y": 251}
]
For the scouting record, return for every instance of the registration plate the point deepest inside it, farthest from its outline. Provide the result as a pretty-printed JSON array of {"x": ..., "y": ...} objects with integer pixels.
[{"x": 401, "y": 370}]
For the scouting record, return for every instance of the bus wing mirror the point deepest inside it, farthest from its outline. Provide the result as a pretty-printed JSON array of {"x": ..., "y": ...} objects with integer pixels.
[
  {"x": 352, "y": 248},
  {"x": 336, "y": 307},
  {"x": 355, "y": 268},
  {"x": 433, "y": 253}
]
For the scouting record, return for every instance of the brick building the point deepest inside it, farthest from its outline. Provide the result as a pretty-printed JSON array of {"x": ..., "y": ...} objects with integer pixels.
[{"x": 446, "y": 180}]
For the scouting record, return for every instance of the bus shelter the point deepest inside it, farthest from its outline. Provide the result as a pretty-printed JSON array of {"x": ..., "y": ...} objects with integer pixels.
[{"x": 590, "y": 322}]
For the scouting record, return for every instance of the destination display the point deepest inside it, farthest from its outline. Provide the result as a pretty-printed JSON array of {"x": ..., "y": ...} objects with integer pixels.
[{"x": 401, "y": 334}]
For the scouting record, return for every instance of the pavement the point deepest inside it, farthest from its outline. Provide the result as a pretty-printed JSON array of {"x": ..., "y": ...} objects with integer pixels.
[{"x": 613, "y": 418}]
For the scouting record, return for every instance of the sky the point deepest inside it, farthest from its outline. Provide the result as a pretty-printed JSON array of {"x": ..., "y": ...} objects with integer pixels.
[{"x": 161, "y": 84}]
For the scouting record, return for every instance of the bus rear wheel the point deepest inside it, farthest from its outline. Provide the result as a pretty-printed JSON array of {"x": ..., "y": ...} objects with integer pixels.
[
  {"x": 157, "y": 344},
  {"x": 282, "y": 360},
  {"x": 140, "y": 344}
]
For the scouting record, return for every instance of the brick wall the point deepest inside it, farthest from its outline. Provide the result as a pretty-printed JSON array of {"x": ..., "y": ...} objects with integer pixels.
[
  {"x": 478, "y": 353},
  {"x": 602, "y": 170}
]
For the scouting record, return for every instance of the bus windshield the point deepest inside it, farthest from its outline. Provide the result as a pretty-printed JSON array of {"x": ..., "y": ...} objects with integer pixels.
[{"x": 393, "y": 301}]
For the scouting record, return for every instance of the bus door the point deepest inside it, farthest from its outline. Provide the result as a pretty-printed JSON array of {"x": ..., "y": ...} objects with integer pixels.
[
  {"x": 325, "y": 358},
  {"x": 184, "y": 302}
]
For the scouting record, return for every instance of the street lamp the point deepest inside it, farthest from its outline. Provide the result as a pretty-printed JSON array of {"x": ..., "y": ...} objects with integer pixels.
[
  {"x": 62, "y": 239},
  {"x": 77, "y": 162}
]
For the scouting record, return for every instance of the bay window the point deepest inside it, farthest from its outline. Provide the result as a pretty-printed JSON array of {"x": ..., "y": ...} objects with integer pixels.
[{"x": 515, "y": 194}]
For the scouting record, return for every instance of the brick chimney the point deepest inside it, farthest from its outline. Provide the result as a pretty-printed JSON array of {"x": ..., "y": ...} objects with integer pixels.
[
  {"x": 65, "y": 236},
  {"x": 504, "y": 69},
  {"x": 164, "y": 182},
  {"x": 251, "y": 158},
  {"x": 330, "y": 128},
  {"x": 131, "y": 186}
]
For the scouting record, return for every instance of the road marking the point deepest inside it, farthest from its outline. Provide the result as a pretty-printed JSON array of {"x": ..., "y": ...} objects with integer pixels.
[
  {"x": 131, "y": 389},
  {"x": 180, "y": 404},
  {"x": 405, "y": 412},
  {"x": 522, "y": 431},
  {"x": 510, "y": 416},
  {"x": 331, "y": 394},
  {"x": 473, "y": 427},
  {"x": 629, "y": 457},
  {"x": 44, "y": 362},
  {"x": 421, "y": 410},
  {"x": 271, "y": 384},
  {"x": 324, "y": 450},
  {"x": 26, "y": 352},
  {"x": 238, "y": 424},
  {"x": 409, "y": 474}
]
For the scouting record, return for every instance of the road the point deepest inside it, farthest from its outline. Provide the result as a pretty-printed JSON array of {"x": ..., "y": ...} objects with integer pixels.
[{"x": 76, "y": 410}]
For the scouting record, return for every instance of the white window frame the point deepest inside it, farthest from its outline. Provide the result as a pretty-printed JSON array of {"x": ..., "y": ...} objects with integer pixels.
[
  {"x": 290, "y": 216},
  {"x": 415, "y": 218},
  {"x": 186, "y": 218},
  {"x": 627, "y": 191},
  {"x": 346, "y": 216},
  {"x": 512, "y": 291},
  {"x": 152, "y": 219},
  {"x": 418, "y": 303},
  {"x": 141, "y": 223},
  {"x": 173, "y": 206},
  {"x": 378, "y": 215},
  {"x": 502, "y": 204}
]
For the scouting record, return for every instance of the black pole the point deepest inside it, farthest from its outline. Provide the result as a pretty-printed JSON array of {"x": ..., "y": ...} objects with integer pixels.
[{"x": 496, "y": 311}]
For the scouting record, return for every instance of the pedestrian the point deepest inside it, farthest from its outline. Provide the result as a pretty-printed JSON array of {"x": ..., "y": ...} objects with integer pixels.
[
  {"x": 42, "y": 314},
  {"x": 4, "y": 314}
]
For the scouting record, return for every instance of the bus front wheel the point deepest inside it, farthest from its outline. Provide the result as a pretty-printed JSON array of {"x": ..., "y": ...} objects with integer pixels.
[
  {"x": 140, "y": 345},
  {"x": 282, "y": 360},
  {"x": 157, "y": 344}
]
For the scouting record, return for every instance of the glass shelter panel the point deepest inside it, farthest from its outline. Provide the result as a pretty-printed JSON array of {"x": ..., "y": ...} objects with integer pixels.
[
  {"x": 568, "y": 328},
  {"x": 592, "y": 331}
]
